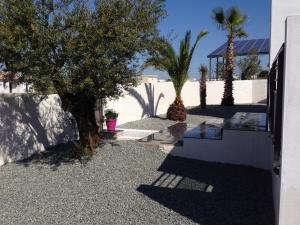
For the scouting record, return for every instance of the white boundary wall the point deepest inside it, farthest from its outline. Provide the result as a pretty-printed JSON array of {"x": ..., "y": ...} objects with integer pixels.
[
  {"x": 19, "y": 88},
  {"x": 29, "y": 124},
  {"x": 149, "y": 99}
]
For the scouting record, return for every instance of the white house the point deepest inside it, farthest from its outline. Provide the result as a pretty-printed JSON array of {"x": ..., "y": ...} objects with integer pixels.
[{"x": 285, "y": 29}]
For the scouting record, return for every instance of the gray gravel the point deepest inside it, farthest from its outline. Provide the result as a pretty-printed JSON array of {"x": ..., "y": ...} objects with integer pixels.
[{"x": 115, "y": 187}]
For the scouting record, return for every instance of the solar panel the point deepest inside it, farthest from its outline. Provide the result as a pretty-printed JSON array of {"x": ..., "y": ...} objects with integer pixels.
[
  {"x": 220, "y": 49},
  {"x": 256, "y": 46},
  {"x": 238, "y": 45},
  {"x": 244, "y": 47}
]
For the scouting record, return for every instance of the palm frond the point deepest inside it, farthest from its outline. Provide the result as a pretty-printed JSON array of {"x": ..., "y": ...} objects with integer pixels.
[
  {"x": 162, "y": 58},
  {"x": 203, "y": 69},
  {"x": 218, "y": 16},
  {"x": 200, "y": 35},
  {"x": 235, "y": 16},
  {"x": 177, "y": 65},
  {"x": 240, "y": 33},
  {"x": 232, "y": 20}
]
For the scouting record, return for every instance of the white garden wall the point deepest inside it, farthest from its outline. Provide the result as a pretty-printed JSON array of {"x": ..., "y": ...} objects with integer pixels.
[
  {"x": 16, "y": 88},
  {"x": 149, "y": 99},
  {"x": 31, "y": 123}
]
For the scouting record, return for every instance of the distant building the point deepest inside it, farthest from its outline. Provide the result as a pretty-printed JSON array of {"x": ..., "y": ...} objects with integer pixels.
[
  {"x": 162, "y": 80},
  {"x": 193, "y": 79},
  {"x": 149, "y": 78}
]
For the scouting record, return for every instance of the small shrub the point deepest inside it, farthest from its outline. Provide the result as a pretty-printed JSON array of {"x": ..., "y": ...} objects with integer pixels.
[{"x": 111, "y": 114}]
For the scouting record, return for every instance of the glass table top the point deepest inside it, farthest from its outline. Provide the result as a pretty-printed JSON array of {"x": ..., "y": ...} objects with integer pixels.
[
  {"x": 178, "y": 131},
  {"x": 247, "y": 122}
]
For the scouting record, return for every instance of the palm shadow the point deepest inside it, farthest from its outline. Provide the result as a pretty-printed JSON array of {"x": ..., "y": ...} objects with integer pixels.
[
  {"x": 148, "y": 105},
  {"x": 213, "y": 193}
]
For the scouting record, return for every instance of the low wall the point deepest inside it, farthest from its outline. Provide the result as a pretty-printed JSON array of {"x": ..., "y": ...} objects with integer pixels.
[
  {"x": 16, "y": 88},
  {"x": 31, "y": 123},
  {"x": 149, "y": 99},
  {"x": 250, "y": 148}
]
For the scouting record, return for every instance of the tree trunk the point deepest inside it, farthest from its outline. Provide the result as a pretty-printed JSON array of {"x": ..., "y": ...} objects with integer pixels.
[
  {"x": 82, "y": 108},
  {"x": 228, "y": 99},
  {"x": 99, "y": 107},
  {"x": 177, "y": 111},
  {"x": 203, "y": 91}
]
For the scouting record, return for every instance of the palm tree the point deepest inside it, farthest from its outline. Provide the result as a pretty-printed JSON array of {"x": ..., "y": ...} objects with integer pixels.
[
  {"x": 203, "y": 71},
  {"x": 177, "y": 66},
  {"x": 232, "y": 21}
]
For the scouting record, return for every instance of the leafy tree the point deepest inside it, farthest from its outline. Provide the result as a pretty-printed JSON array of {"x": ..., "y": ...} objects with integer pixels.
[
  {"x": 80, "y": 51},
  {"x": 263, "y": 74},
  {"x": 177, "y": 67},
  {"x": 203, "y": 71},
  {"x": 232, "y": 21},
  {"x": 249, "y": 66}
]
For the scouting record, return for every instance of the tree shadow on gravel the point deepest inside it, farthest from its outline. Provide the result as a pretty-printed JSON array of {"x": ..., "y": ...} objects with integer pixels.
[
  {"x": 55, "y": 156},
  {"x": 213, "y": 193},
  {"x": 226, "y": 112}
]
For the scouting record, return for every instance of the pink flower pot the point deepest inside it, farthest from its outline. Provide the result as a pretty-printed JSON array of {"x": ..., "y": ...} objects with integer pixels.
[{"x": 111, "y": 124}]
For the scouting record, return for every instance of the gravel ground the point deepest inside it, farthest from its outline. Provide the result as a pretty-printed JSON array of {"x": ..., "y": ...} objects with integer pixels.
[
  {"x": 212, "y": 114},
  {"x": 121, "y": 184}
]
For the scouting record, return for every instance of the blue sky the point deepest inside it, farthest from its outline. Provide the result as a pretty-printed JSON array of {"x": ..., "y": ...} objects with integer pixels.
[{"x": 195, "y": 15}]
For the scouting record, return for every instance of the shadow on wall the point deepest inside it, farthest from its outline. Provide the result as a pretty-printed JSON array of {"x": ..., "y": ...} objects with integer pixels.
[
  {"x": 30, "y": 124},
  {"x": 213, "y": 193},
  {"x": 148, "y": 105}
]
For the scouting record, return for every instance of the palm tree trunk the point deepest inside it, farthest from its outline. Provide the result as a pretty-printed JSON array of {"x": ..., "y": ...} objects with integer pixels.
[
  {"x": 177, "y": 111},
  {"x": 228, "y": 99},
  {"x": 203, "y": 91}
]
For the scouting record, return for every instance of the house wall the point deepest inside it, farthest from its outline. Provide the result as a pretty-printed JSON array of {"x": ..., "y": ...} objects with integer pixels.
[
  {"x": 280, "y": 10},
  {"x": 290, "y": 167},
  {"x": 150, "y": 99},
  {"x": 31, "y": 123}
]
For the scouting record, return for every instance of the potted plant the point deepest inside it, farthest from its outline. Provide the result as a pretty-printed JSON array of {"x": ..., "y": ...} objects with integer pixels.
[{"x": 111, "y": 119}]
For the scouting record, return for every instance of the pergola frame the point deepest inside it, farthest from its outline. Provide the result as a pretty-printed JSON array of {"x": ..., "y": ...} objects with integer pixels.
[{"x": 242, "y": 48}]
